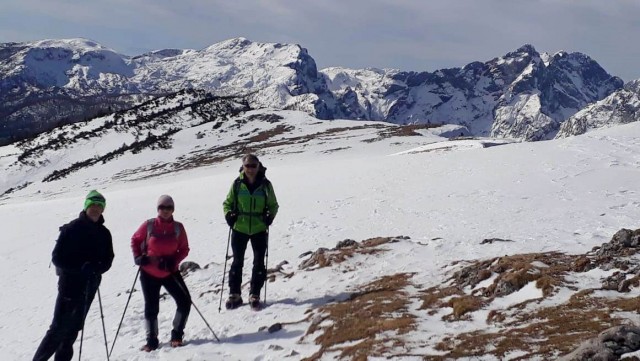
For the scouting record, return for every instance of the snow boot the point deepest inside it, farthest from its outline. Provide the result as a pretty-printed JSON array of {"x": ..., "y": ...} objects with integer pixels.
[
  {"x": 176, "y": 338},
  {"x": 234, "y": 301},
  {"x": 152, "y": 336},
  {"x": 254, "y": 302}
]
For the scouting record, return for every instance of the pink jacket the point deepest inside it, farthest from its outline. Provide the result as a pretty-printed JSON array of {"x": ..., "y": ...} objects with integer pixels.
[{"x": 161, "y": 243}]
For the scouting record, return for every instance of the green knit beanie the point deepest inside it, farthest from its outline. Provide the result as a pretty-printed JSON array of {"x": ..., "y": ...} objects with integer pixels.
[{"x": 94, "y": 197}]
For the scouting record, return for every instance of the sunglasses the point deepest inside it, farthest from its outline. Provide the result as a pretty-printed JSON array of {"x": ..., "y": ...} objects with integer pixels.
[
  {"x": 165, "y": 208},
  {"x": 251, "y": 165}
]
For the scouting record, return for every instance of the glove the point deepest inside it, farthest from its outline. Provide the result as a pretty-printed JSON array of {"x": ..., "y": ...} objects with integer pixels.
[
  {"x": 166, "y": 264},
  {"x": 268, "y": 220},
  {"x": 142, "y": 260},
  {"x": 88, "y": 269},
  {"x": 231, "y": 218}
]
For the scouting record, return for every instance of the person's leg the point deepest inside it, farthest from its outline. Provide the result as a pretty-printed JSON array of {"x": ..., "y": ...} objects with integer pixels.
[
  {"x": 259, "y": 271},
  {"x": 239, "y": 246},
  {"x": 176, "y": 287},
  {"x": 54, "y": 336},
  {"x": 151, "y": 292},
  {"x": 67, "y": 322},
  {"x": 77, "y": 319}
]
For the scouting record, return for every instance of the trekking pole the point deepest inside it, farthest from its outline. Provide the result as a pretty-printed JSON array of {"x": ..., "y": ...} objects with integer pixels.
[
  {"x": 125, "y": 311},
  {"x": 194, "y": 306},
  {"x": 266, "y": 268},
  {"x": 84, "y": 317},
  {"x": 224, "y": 271},
  {"x": 104, "y": 330}
]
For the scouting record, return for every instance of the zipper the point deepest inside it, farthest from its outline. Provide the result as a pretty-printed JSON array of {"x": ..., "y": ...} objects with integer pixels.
[{"x": 253, "y": 204}]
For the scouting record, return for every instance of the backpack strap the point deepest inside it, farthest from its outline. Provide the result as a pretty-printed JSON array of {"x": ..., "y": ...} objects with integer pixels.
[
  {"x": 176, "y": 229},
  {"x": 265, "y": 186},
  {"x": 236, "y": 189},
  {"x": 143, "y": 247}
]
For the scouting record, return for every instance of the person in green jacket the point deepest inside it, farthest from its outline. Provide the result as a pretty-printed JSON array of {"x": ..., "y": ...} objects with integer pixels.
[{"x": 249, "y": 209}]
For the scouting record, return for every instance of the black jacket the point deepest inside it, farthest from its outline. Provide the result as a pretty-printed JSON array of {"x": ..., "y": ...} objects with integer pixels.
[{"x": 81, "y": 241}]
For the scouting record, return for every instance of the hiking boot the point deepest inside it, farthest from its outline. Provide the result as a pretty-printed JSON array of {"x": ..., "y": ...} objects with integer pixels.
[
  {"x": 151, "y": 327},
  {"x": 176, "y": 338},
  {"x": 254, "y": 302},
  {"x": 176, "y": 343},
  {"x": 234, "y": 301},
  {"x": 150, "y": 346}
]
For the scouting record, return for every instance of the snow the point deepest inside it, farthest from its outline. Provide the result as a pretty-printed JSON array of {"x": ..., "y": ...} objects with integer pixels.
[{"x": 565, "y": 195}]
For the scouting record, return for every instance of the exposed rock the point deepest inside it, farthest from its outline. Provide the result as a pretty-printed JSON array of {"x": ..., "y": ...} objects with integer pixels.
[
  {"x": 292, "y": 353},
  {"x": 305, "y": 254},
  {"x": 188, "y": 267},
  {"x": 346, "y": 243},
  {"x": 275, "y": 327},
  {"x": 491, "y": 240},
  {"x": 608, "y": 346}
]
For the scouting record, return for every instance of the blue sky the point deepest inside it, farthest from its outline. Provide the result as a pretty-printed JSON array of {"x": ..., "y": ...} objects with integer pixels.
[{"x": 405, "y": 34}]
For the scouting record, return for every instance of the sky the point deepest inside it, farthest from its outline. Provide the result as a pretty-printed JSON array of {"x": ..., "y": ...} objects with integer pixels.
[
  {"x": 565, "y": 195},
  {"x": 405, "y": 34}
]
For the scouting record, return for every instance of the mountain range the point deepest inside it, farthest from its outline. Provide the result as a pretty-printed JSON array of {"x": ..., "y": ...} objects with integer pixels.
[{"x": 524, "y": 94}]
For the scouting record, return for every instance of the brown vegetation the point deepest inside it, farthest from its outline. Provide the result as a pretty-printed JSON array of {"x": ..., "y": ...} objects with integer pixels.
[{"x": 370, "y": 321}]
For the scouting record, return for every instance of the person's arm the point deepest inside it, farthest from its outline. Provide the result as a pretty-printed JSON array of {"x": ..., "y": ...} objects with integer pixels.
[
  {"x": 183, "y": 246},
  {"x": 107, "y": 258},
  {"x": 63, "y": 255},
  {"x": 136, "y": 240},
  {"x": 227, "y": 205},
  {"x": 272, "y": 201}
]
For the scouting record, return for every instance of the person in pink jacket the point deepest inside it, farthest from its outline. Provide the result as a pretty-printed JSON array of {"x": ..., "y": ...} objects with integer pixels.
[{"x": 159, "y": 245}]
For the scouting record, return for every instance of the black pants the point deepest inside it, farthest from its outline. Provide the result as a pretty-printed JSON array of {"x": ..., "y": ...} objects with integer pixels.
[
  {"x": 239, "y": 243},
  {"x": 174, "y": 284},
  {"x": 68, "y": 319}
]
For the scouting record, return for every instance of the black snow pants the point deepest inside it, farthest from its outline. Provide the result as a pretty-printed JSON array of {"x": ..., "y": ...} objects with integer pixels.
[
  {"x": 239, "y": 243},
  {"x": 72, "y": 305},
  {"x": 174, "y": 284}
]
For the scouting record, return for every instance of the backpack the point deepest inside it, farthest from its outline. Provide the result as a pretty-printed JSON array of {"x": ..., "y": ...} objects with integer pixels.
[{"x": 143, "y": 246}]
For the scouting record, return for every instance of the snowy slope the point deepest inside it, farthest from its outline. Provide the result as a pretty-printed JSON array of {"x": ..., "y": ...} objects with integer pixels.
[{"x": 565, "y": 195}]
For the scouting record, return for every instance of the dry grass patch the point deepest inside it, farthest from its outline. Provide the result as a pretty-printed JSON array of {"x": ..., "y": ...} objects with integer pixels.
[
  {"x": 324, "y": 257},
  {"x": 402, "y": 131},
  {"x": 513, "y": 272},
  {"x": 433, "y": 298},
  {"x": 465, "y": 304},
  {"x": 545, "y": 333},
  {"x": 371, "y": 321}
]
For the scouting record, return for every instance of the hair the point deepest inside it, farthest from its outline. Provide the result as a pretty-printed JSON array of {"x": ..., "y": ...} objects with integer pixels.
[{"x": 250, "y": 157}]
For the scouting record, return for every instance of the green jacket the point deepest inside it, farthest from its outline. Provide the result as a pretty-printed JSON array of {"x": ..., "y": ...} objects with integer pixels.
[{"x": 251, "y": 207}]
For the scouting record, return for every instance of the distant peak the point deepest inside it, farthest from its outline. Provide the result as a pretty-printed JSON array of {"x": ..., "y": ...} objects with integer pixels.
[
  {"x": 235, "y": 42},
  {"x": 526, "y": 48},
  {"x": 73, "y": 43}
]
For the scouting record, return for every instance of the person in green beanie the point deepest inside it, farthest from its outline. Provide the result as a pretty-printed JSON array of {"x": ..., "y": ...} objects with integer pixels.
[{"x": 83, "y": 252}]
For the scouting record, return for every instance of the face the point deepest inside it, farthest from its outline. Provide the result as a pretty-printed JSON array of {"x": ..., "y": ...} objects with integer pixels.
[
  {"x": 250, "y": 168},
  {"x": 94, "y": 212},
  {"x": 165, "y": 211}
]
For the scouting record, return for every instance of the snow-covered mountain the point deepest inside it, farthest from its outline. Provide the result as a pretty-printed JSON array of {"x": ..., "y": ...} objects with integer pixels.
[
  {"x": 523, "y": 94},
  {"x": 63, "y": 81},
  {"x": 621, "y": 107}
]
